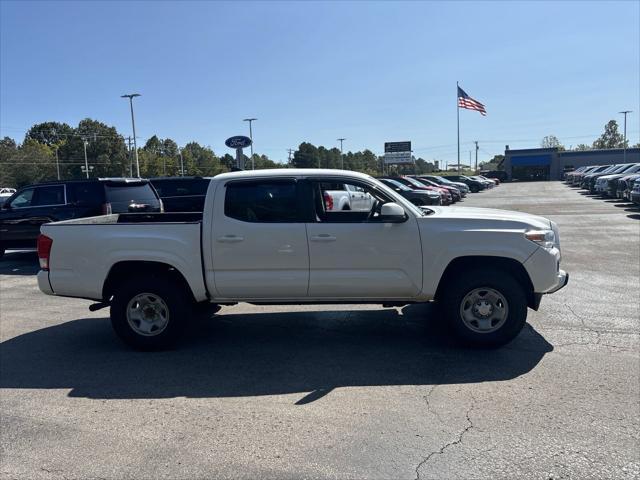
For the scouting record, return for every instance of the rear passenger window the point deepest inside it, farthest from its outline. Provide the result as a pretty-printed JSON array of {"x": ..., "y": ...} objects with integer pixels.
[
  {"x": 268, "y": 202},
  {"x": 87, "y": 193},
  {"x": 50, "y": 195}
]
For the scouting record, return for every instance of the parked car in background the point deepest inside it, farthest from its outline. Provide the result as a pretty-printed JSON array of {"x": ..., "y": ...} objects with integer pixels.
[
  {"x": 417, "y": 197},
  {"x": 500, "y": 175},
  {"x": 625, "y": 186},
  {"x": 181, "y": 194},
  {"x": 488, "y": 183},
  {"x": 5, "y": 193},
  {"x": 463, "y": 187},
  {"x": 588, "y": 181},
  {"x": 341, "y": 196},
  {"x": 635, "y": 192},
  {"x": 495, "y": 181},
  {"x": 447, "y": 199},
  {"x": 474, "y": 185},
  {"x": 599, "y": 182},
  {"x": 267, "y": 238},
  {"x": 609, "y": 183},
  {"x": 456, "y": 196},
  {"x": 25, "y": 211},
  {"x": 577, "y": 177}
]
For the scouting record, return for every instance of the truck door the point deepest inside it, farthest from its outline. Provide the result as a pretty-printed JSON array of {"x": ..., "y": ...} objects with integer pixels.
[
  {"x": 259, "y": 240},
  {"x": 354, "y": 256}
]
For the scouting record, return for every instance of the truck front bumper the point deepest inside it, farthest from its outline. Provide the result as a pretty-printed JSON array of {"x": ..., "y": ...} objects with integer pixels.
[
  {"x": 563, "y": 279},
  {"x": 43, "y": 282}
]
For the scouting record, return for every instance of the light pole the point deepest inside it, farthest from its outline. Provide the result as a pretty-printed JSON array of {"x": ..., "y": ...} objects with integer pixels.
[
  {"x": 86, "y": 162},
  {"x": 624, "y": 145},
  {"x": 341, "y": 155},
  {"x": 131, "y": 96},
  {"x": 251, "y": 120},
  {"x": 181, "y": 162}
]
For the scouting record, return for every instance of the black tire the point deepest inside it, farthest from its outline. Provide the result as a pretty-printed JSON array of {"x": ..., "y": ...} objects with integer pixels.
[
  {"x": 179, "y": 308},
  {"x": 502, "y": 282},
  {"x": 474, "y": 189}
]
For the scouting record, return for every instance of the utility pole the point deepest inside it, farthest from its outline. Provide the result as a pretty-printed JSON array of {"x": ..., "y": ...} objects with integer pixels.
[
  {"x": 57, "y": 162},
  {"x": 341, "y": 155},
  {"x": 290, "y": 153},
  {"x": 181, "y": 162},
  {"x": 131, "y": 96},
  {"x": 86, "y": 162},
  {"x": 624, "y": 156},
  {"x": 251, "y": 120},
  {"x": 469, "y": 159},
  {"x": 476, "y": 142}
]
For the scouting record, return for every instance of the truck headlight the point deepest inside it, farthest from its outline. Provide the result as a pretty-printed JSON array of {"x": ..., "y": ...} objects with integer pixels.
[{"x": 544, "y": 238}]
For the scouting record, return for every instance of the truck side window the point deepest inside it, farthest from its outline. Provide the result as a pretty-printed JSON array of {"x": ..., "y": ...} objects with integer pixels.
[
  {"x": 262, "y": 202},
  {"x": 23, "y": 199},
  {"x": 49, "y": 195}
]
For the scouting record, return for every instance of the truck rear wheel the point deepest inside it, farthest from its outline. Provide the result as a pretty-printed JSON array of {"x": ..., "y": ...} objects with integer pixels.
[
  {"x": 485, "y": 308},
  {"x": 150, "y": 313}
]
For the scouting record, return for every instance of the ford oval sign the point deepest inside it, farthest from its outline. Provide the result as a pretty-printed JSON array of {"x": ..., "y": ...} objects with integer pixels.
[{"x": 239, "y": 141}]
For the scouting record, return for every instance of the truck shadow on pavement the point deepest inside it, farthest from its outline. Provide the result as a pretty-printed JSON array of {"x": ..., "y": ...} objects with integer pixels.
[
  {"x": 234, "y": 355},
  {"x": 19, "y": 263}
]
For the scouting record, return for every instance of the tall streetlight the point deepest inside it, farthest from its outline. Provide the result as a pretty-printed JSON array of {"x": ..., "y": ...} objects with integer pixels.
[
  {"x": 86, "y": 162},
  {"x": 624, "y": 155},
  {"x": 341, "y": 155},
  {"x": 251, "y": 120},
  {"x": 131, "y": 96}
]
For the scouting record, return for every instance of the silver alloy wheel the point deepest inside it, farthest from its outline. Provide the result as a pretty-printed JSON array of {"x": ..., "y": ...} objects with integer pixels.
[
  {"x": 484, "y": 310},
  {"x": 147, "y": 314}
]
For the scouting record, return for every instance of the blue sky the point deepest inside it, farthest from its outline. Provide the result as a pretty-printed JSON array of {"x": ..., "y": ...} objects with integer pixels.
[{"x": 370, "y": 72}]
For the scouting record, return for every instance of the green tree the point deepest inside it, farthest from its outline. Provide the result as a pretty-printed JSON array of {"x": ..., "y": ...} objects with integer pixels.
[
  {"x": 610, "y": 138},
  {"x": 30, "y": 163},
  {"x": 50, "y": 133},
  {"x": 306, "y": 156},
  {"x": 582, "y": 147},
  {"x": 8, "y": 149}
]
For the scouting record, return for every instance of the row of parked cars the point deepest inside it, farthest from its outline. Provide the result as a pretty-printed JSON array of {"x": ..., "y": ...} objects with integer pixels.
[
  {"x": 22, "y": 212},
  {"x": 615, "y": 181}
]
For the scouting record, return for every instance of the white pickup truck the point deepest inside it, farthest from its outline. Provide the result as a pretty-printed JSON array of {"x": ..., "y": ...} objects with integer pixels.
[
  {"x": 341, "y": 196},
  {"x": 266, "y": 237}
]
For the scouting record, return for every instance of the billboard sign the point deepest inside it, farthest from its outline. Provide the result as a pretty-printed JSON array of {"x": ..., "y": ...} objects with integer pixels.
[
  {"x": 397, "y": 152},
  {"x": 392, "y": 147}
]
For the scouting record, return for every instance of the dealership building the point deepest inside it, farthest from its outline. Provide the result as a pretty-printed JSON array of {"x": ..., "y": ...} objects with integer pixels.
[{"x": 550, "y": 163}]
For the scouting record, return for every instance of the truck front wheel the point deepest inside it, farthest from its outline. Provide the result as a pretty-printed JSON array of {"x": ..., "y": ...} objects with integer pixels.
[
  {"x": 150, "y": 313},
  {"x": 485, "y": 309}
]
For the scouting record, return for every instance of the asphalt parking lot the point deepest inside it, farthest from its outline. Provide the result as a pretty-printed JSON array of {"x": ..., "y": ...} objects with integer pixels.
[{"x": 339, "y": 391}]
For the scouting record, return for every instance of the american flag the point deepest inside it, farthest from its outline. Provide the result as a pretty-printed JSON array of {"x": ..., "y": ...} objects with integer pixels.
[{"x": 465, "y": 101}]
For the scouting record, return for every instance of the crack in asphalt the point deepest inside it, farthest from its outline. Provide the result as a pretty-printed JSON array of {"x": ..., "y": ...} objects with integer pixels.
[{"x": 469, "y": 425}]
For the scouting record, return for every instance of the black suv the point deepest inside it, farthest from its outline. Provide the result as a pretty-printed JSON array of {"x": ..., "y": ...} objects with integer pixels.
[
  {"x": 22, "y": 213},
  {"x": 182, "y": 194}
]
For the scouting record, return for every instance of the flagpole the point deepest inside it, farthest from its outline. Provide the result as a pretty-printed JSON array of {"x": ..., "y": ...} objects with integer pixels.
[{"x": 458, "y": 111}]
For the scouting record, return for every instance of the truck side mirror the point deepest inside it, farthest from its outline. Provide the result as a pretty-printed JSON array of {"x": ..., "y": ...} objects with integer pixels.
[{"x": 392, "y": 212}]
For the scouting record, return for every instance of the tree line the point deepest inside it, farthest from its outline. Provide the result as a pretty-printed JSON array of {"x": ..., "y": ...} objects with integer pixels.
[{"x": 53, "y": 150}]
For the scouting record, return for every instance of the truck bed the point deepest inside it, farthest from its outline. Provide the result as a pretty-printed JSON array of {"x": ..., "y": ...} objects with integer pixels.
[{"x": 85, "y": 250}]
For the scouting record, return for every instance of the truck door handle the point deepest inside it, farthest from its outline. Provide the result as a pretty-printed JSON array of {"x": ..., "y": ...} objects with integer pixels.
[
  {"x": 230, "y": 239},
  {"x": 323, "y": 237}
]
